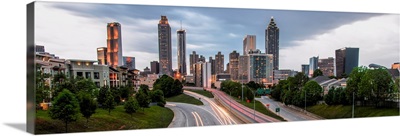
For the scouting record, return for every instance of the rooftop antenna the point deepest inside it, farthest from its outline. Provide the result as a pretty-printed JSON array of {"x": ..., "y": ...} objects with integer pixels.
[{"x": 181, "y": 24}]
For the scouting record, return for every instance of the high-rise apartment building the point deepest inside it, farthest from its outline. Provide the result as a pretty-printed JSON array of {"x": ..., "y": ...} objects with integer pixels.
[
  {"x": 249, "y": 44},
  {"x": 155, "y": 69},
  {"x": 346, "y": 60},
  {"x": 212, "y": 62},
  {"x": 327, "y": 66},
  {"x": 193, "y": 58},
  {"x": 114, "y": 44},
  {"x": 272, "y": 42},
  {"x": 202, "y": 74},
  {"x": 305, "y": 69},
  {"x": 219, "y": 63},
  {"x": 164, "y": 46},
  {"x": 260, "y": 67},
  {"x": 243, "y": 68},
  {"x": 313, "y": 65},
  {"x": 234, "y": 65},
  {"x": 102, "y": 55},
  {"x": 181, "y": 37}
]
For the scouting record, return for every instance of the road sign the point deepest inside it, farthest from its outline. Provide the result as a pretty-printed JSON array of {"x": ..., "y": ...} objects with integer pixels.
[{"x": 277, "y": 109}]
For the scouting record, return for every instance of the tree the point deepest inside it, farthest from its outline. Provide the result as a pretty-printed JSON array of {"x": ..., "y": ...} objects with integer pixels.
[
  {"x": 165, "y": 84},
  {"x": 65, "y": 108},
  {"x": 352, "y": 83},
  {"x": 177, "y": 88},
  {"x": 101, "y": 98},
  {"x": 87, "y": 105},
  {"x": 329, "y": 97},
  {"x": 109, "y": 104},
  {"x": 317, "y": 73},
  {"x": 131, "y": 106},
  {"x": 158, "y": 96},
  {"x": 143, "y": 99},
  {"x": 278, "y": 90},
  {"x": 312, "y": 92}
]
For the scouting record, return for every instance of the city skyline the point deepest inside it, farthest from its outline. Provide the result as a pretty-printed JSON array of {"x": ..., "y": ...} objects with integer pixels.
[{"x": 206, "y": 30}]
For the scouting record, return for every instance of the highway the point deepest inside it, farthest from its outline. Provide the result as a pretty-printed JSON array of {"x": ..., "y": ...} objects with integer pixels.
[
  {"x": 285, "y": 112},
  {"x": 244, "y": 113},
  {"x": 209, "y": 114}
]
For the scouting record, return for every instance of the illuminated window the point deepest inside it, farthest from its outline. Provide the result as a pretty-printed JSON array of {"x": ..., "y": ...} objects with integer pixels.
[{"x": 79, "y": 63}]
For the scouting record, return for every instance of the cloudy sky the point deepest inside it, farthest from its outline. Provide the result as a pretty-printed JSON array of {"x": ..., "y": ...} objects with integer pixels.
[{"x": 74, "y": 31}]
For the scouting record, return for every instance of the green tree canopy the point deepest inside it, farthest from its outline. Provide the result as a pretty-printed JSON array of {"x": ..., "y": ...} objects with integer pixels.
[
  {"x": 131, "y": 106},
  {"x": 65, "y": 108},
  {"x": 317, "y": 73},
  {"x": 87, "y": 105},
  {"x": 109, "y": 103},
  {"x": 313, "y": 92}
]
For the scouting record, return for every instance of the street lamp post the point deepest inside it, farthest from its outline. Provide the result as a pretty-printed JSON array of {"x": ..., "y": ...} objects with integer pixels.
[
  {"x": 242, "y": 91},
  {"x": 254, "y": 105},
  {"x": 305, "y": 100}
]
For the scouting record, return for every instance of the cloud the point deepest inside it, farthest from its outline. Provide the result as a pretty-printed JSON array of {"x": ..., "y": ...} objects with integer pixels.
[
  {"x": 377, "y": 38},
  {"x": 233, "y": 35}
]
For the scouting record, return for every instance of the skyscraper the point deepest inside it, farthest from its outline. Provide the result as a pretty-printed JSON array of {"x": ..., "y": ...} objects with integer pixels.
[
  {"x": 243, "y": 68},
  {"x": 305, "y": 68},
  {"x": 260, "y": 67},
  {"x": 346, "y": 60},
  {"x": 202, "y": 74},
  {"x": 201, "y": 58},
  {"x": 234, "y": 65},
  {"x": 313, "y": 65},
  {"x": 181, "y": 37},
  {"x": 212, "y": 62},
  {"x": 39, "y": 48},
  {"x": 129, "y": 62},
  {"x": 227, "y": 69},
  {"x": 193, "y": 58},
  {"x": 155, "y": 69},
  {"x": 102, "y": 55},
  {"x": 114, "y": 44},
  {"x": 249, "y": 43},
  {"x": 272, "y": 42},
  {"x": 219, "y": 63},
  {"x": 164, "y": 46},
  {"x": 327, "y": 66}
]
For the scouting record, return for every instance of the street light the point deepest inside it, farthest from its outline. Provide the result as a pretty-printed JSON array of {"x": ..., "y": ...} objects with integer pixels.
[
  {"x": 305, "y": 99},
  {"x": 242, "y": 91}
]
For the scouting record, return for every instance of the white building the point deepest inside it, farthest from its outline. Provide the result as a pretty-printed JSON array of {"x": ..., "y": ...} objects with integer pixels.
[{"x": 202, "y": 74}]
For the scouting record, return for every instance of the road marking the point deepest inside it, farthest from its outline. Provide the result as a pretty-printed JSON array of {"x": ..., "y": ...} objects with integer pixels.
[
  {"x": 195, "y": 118},
  {"x": 201, "y": 121}
]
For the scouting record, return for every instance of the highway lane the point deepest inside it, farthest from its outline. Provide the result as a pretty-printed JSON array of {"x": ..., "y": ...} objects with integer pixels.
[
  {"x": 220, "y": 112},
  {"x": 285, "y": 112},
  {"x": 240, "y": 110},
  {"x": 189, "y": 115}
]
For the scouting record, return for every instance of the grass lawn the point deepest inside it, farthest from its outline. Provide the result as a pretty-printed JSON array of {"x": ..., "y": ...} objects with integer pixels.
[
  {"x": 259, "y": 107},
  {"x": 153, "y": 117},
  {"x": 340, "y": 111},
  {"x": 204, "y": 93},
  {"x": 183, "y": 98}
]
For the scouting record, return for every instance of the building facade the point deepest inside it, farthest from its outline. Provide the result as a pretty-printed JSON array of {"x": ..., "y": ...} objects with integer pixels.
[
  {"x": 129, "y": 62},
  {"x": 99, "y": 74},
  {"x": 243, "y": 69},
  {"x": 102, "y": 56},
  {"x": 234, "y": 65},
  {"x": 272, "y": 42},
  {"x": 39, "y": 48},
  {"x": 154, "y": 67},
  {"x": 283, "y": 74},
  {"x": 193, "y": 59},
  {"x": 164, "y": 46},
  {"x": 181, "y": 37},
  {"x": 346, "y": 60},
  {"x": 114, "y": 44},
  {"x": 219, "y": 63},
  {"x": 260, "y": 67},
  {"x": 249, "y": 44},
  {"x": 202, "y": 74},
  {"x": 305, "y": 69},
  {"x": 327, "y": 66},
  {"x": 313, "y": 65}
]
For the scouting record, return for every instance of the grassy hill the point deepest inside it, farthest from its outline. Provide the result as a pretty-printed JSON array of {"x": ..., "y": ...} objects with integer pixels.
[
  {"x": 341, "y": 111},
  {"x": 153, "y": 117}
]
